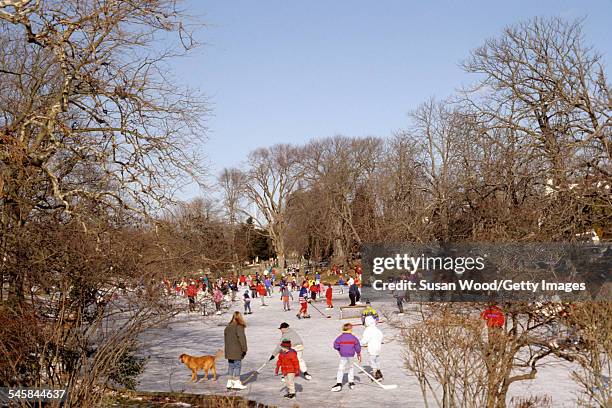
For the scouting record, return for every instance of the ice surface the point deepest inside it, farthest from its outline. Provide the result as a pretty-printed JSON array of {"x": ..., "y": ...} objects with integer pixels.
[{"x": 197, "y": 335}]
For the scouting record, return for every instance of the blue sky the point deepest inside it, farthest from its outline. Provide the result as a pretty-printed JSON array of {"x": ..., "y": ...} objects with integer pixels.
[{"x": 282, "y": 71}]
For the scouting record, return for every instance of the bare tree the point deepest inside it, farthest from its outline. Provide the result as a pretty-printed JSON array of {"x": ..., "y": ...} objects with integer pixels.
[
  {"x": 95, "y": 139},
  {"x": 273, "y": 174},
  {"x": 541, "y": 82}
]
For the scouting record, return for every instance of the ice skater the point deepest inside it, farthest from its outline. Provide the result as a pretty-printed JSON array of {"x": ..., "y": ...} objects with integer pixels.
[
  {"x": 328, "y": 296},
  {"x": 348, "y": 347},
  {"x": 372, "y": 339},
  {"x": 289, "y": 367},
  {"x": 285, "y": 295},
  {"x": 297, "y": 344},
  {"x": 247, "y": 302},
  {"x": 303, "y": 299}
]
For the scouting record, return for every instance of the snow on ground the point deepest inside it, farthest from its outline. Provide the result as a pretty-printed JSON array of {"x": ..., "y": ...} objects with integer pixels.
[{"x": 197, "y": 335}]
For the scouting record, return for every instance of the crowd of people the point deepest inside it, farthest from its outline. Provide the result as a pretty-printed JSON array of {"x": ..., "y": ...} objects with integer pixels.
[
  {"x": 290, "y": 352},
  {"x": 289, "y": 349},
  {"x": 203, "y": 290}
]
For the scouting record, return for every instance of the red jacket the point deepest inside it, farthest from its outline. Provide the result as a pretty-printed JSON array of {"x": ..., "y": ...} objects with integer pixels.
[
  {"x": 191, "y": 291},
  {"x": 328, "y": 293},
  {"x": 288, "y": 362},
  {"x": 494, "y": 316},
  {"x": 261, "y": 289}
]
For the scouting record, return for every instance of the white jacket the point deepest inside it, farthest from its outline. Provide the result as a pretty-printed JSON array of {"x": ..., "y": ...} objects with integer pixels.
[{"x": 372, "y": 336}]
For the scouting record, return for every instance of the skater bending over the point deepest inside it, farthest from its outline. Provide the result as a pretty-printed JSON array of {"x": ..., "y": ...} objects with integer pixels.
[
  {"x": 368, "y": 311},
  {"x": 347, "y": 346},
  {"x": 298, "y": 345}
]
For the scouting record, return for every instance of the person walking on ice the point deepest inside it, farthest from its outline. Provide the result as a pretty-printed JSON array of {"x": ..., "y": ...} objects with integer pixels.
[
  {"x": 348, "y": 347},
  {"x": 289, "y": 366},
  {"x": 288, "y": 333},
  {"x": 235, "y": 350},
  {"x": 372, "y": 339}
]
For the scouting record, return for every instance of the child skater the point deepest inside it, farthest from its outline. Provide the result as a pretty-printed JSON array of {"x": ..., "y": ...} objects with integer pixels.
[
  {"x": 328, "y": 296},
  {"x": 303, "y": 299},
  {"x": 289, "y": 366},
  {"x": 372, "y": 339},
  {"x": 285, "y": 295},
  {"x": 348, "y": 346},
  {"x": 247, "y": 302}
]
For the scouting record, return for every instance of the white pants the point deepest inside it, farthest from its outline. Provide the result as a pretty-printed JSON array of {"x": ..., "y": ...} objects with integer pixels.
[
  {"x": 346, "y": 362},
  {"x": 299, "y": 350},
  {"x": 375, "y": 362}
]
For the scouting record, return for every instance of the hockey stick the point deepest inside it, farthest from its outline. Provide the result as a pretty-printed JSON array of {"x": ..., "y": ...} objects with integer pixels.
[
  {"x": 383, "y": 386},
  {"x": 317, "y": 309},
  {"x": 256, "y": 372}
]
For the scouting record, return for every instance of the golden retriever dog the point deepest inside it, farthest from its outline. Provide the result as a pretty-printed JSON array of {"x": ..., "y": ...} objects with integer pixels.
[{"x": 201, "y": 363}]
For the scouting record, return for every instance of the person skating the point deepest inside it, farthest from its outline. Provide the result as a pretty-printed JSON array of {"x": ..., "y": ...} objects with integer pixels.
[
  {"x": 289, "y": 366},
  {"x": 494, "y": 316},
  {"x": 314, "y": 290},
  {"x": 217, "y": 299},
  {"x": 285, "y": 295},
  {"x": 341, "y": 283},
  {"x": 235, "y": 350},
  {"x": 262, "y": 292},
  {"x": 348, "y": 347},
  {"x": 372, "y": 339},
  {"x": 234, "y": 288},
  {"x": 328, "y": 296},
  {"x": 303, "y": 299},
  {"x": 368, "y": 311},
  {"x": 247, "y": 302},
  {"x": 268, "y": 284},
  {"x": 399, "y": 296},
  {"x": 298, "y": 345},
  {"x": 191, "y": 292},
  {"x": 354, "y": 294}
]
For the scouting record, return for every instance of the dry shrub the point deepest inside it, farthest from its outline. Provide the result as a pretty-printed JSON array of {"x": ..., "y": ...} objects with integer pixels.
[{"x": 538, "y": 401}]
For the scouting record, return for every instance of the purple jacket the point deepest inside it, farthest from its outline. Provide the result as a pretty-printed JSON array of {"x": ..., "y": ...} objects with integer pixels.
[{"x": 347, "y": 345}]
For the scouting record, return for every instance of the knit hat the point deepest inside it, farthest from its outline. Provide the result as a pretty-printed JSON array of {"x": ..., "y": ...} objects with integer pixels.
[
  {"x": 286, "y": 343},
  {"x": 284, "y": 325}
]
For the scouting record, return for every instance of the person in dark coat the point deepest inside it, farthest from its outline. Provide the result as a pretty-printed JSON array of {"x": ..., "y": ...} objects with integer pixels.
[
  {"x": 354, "y": 294},
  {"x": 235, "y": 350}
]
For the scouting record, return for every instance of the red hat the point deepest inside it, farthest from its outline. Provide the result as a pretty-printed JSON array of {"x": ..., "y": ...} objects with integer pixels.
[{"x": 286, "y": 343}]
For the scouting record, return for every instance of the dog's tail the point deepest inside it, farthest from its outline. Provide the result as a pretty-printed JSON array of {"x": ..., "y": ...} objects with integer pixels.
[{"x": 218, "y": 354}]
